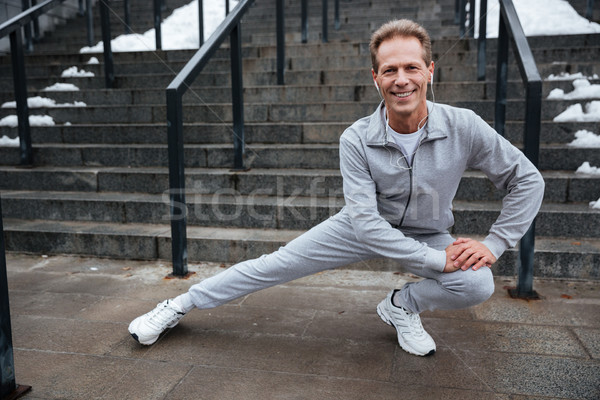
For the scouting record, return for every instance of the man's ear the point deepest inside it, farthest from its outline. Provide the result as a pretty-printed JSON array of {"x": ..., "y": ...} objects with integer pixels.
[{"x": 431, "y": 69}]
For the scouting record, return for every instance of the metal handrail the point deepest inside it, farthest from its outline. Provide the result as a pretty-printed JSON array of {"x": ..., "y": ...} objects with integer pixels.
[
  {"x": 229, "y": 27},
  {"x": 12, "y": 28},
  {"x": 510, "y": 30}
]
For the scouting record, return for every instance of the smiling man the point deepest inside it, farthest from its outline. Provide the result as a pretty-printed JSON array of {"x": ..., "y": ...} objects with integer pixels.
[{"x": 401, "y": 167}]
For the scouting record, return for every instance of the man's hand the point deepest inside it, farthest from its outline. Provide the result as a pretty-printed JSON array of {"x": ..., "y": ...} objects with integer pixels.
[{"x": 467, "y": 253}]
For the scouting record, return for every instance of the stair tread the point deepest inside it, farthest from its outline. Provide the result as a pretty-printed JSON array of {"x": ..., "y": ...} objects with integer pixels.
[{"x": 543, "y": 243}]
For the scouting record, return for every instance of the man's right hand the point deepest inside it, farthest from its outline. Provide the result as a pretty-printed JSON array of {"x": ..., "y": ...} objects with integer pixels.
[{"x": 467, "y": 253}]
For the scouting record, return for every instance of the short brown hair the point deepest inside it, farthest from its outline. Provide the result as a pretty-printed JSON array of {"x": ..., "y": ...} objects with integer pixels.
[{"x": 400, "y": 28}]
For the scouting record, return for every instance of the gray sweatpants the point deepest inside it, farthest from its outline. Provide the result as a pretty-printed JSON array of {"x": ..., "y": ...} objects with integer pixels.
[{"x": 333, "y": 244}]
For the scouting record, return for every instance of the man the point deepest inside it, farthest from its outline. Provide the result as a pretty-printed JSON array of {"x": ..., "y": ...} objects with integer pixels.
[{"x": 401, "y": 167}]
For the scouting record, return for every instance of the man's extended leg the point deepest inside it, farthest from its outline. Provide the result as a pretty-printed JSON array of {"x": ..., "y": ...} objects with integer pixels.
[{"x": 328, "y": 245}]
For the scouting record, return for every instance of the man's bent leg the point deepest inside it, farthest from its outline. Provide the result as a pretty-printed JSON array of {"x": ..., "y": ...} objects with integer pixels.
[{"x": 445, "y": 291}]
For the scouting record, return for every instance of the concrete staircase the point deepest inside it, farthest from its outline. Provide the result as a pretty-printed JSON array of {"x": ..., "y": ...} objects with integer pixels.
[{"x": 99, "y": 185}]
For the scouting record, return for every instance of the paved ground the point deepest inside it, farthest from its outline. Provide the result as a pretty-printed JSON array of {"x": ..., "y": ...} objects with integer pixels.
[{"x": 316, "y": 338}]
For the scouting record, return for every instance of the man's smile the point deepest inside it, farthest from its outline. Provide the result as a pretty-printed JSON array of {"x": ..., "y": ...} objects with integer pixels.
[{"x": 403, "y": 94}]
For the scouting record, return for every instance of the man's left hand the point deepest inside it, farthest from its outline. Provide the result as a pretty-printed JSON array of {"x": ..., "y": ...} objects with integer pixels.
[{"x": 470, "y": 253}]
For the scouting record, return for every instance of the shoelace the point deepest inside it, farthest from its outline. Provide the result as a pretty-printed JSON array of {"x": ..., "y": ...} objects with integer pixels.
[
  {"x": 415, "y": 323},
  {"x": 162, "y": 316}
]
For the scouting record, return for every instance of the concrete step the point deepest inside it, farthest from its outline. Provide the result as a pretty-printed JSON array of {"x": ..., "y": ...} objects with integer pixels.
[
  {"x": 555, "y": 257},
  {"x": 231, "y": 209},
  {"x": 358, "y": 46},
  {"x": 444, "y": 91},
  {"x": 269, "y": 112},
  {"x": 265, "y": 133},
  {"x": 552, "y": 157},
  {"x": 561, "y": 186}
]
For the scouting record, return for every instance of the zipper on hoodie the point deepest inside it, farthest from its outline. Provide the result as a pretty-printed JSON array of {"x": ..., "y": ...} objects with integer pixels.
[{"x": 410, "y": 174}]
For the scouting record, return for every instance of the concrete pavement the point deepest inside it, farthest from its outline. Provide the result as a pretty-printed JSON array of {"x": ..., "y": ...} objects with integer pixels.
[{"x": 315, "y": 338}]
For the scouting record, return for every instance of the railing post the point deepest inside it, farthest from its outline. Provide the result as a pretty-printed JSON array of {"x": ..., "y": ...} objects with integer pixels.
[
  {"x": 157, "y": 30},
  {"x": 501, "y": 78},
  {"x": 457, "y": 11},
  {"x": 325, "y": 35},
  {"x": 8, "y": 387},
  {"x": 471, "y": 32},
  {"x": 462, "y": 18},
  {"x": 177, "y": 208},
  {"x": 531, "y": 140},
  {"x": 27, "y": 28},
  {"x": 127, "y": 16},
  {"x": 89, "y": 18},
  {"x": 482, "y": 41},
  {"x": 200, "y": 23},
  {"x": 20, "y": 85},
  {"x": 36, "y": 25},
  {"x": 226, "y": 7},
  {"x": 524, "y": 289},
  {"x": 280, "y": 43},
  {"x": 304, "y": 22},
  {"x": 237, "y": 94},
  {"x": 109, "y": 74},
  {"x": 589, "y": 10},
  {"x": 337, "y": 14}
]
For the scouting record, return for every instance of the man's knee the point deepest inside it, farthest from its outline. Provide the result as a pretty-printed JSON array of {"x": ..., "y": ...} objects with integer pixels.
[{"x": 480, "y": 285}]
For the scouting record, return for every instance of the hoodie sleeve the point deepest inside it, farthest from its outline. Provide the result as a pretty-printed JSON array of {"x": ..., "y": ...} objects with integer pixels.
[
  {"x": 508, "y": 169},
  {"x": 370, "y": 227}
]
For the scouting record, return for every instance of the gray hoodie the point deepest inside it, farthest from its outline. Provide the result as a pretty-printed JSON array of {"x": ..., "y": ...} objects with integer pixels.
[{"x": 390, "y": 202}]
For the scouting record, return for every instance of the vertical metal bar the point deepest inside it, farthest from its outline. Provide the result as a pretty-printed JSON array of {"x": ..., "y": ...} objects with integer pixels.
[
  {"x": 36, "y": 25},
  {"x": 237, "y": 94},
  {"x": 482, "y": 41},
  {"x": 20, "y": 85},
  {"x": 501, "y": 77},
  {"x": 89, "y": 17},
  {"x": 589, "y": 11},
  {"x": 325, "y": 36},
  {"x": 8, "y": 384},
  {"x": 27, "y": 28},
  {"x": 157, "y": 30},
  {"x": 471, "y": 18},
  {"x": 177, "y": 207},
  {"x": 337, "y": 14},
  {"x": 462, "y": 18},
  {"x": 7, "y": 373},
  {"x": 80, "y": 11},
  {"x": 531, "y": 141},
  {"x": 280, "y": 43},
  {"x": 304, "y": 22},
  {"x": 200, "y": 23},
  {"x": 109, "y": 74},
  {"x": 8, "y": 387},
  {"x": 127, "y": 16},
  {"x": 525, "y": 274},
  {"x": 226, "y": 7},
  {"x": 457, "y": 12}
]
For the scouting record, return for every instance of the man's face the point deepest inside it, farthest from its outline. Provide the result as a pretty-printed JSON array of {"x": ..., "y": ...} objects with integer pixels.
[{"x": 402, "y": 77}]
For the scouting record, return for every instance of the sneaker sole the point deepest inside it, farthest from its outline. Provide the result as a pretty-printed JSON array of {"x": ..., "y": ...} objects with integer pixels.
[{"x": 386, "y": 318}]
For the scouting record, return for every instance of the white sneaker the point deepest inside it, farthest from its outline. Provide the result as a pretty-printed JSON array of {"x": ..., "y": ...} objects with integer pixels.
[
  {"x": 411, "y": 335},
  {"x": 147, "y": 328}
]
